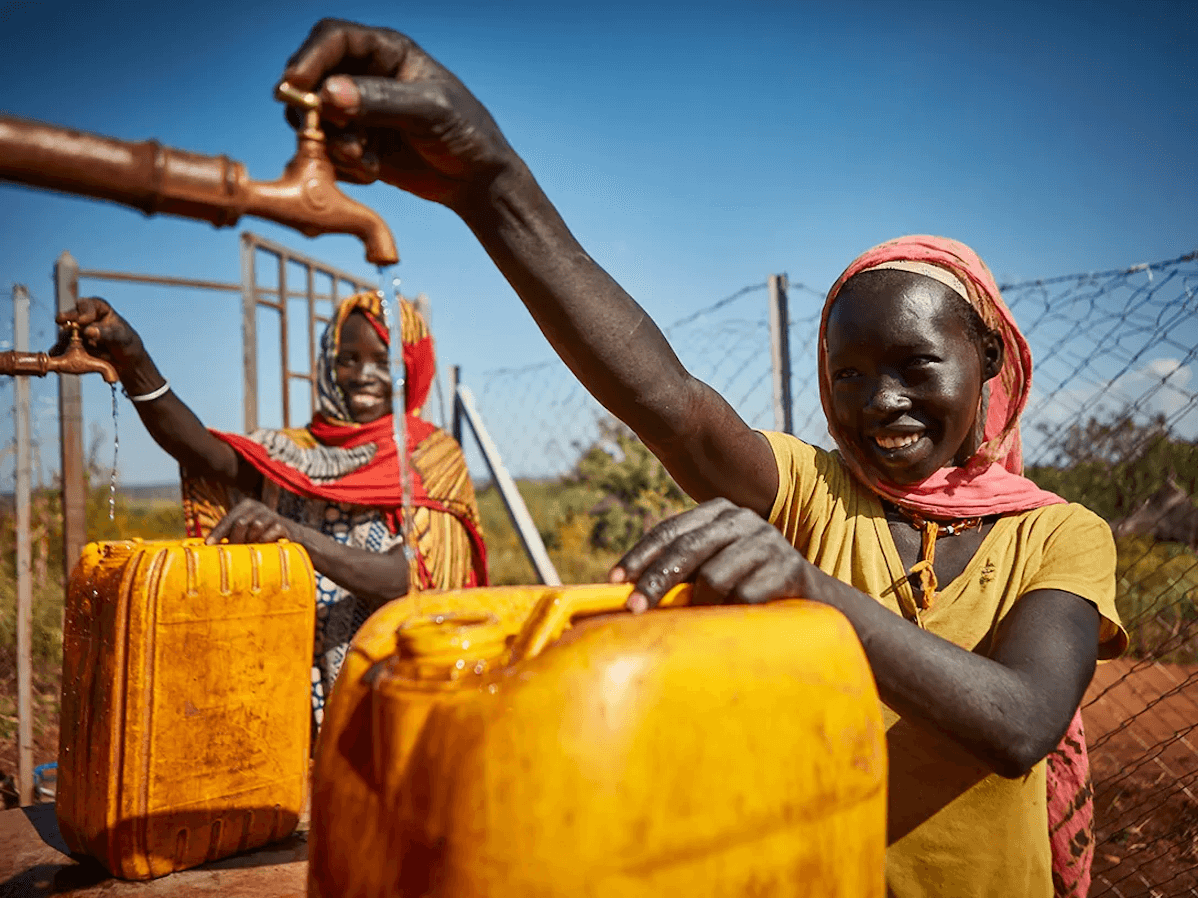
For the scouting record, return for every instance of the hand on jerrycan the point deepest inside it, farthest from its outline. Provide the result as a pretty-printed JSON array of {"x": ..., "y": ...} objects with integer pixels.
[{"x": 730, "y": 553}]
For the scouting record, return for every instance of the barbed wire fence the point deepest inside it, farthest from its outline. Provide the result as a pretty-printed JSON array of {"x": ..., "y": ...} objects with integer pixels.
[
  {"x": 43, "y": 436},
  {"x": 1114, "y": 377},
  {"x": 1114, "y": 407}
]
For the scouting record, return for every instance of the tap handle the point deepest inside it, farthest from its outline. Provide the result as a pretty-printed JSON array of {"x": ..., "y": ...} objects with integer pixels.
[
  {"x": 75, "y": 359},
  {"x": 306, "y": 100}
]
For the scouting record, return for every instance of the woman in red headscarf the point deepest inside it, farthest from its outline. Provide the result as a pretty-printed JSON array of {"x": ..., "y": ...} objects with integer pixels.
[
  {"x": 334, "y": 486},
  {"x": 981, "y": 601}
]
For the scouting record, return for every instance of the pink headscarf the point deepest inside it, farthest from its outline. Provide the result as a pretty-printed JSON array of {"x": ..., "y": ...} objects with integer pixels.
[{"x": 992, "y": 481}]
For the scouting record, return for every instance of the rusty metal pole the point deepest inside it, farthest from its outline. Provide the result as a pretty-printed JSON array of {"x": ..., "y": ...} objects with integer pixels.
[
  {"x": 284, "y": 351},
  {"x": 70, "y": 418},
  {"x": 21, "y": 495},
  {"x": 249, "y": 332}
]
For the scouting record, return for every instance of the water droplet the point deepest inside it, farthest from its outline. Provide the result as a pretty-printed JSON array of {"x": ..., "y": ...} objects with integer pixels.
[
  {"x": 492, "y": 688},
  {"x": 116, "y": 446},
  {"x": 459, "y": 664},
  {"x": 480, "y": 667}
]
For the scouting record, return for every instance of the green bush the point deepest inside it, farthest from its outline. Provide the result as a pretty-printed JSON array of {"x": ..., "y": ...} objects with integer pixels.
[
  {"x": 1157, "y": 598},
  {"x": 148, "y": 520}
]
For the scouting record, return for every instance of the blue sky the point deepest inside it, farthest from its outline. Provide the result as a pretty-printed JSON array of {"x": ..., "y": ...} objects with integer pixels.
[{"x": 693, "y": 148}]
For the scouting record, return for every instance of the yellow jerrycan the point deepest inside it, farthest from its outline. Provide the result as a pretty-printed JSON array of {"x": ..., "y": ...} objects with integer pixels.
[
  {"x": 186, "y": 708},
  {"x": 527, "y": 741}
]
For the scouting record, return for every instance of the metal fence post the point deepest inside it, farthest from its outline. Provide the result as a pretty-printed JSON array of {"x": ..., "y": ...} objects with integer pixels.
[
  {"x": 70, "y": 416},
  {"x": 24, "y": 566},
  {"x": 780, "y": 353},
  {"x": 455, "y": 428},
  {"x": 526, "y": 529}
]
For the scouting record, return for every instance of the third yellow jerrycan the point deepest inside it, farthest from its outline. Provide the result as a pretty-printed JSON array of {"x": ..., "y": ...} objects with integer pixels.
[{"x": 527, "y": 741}]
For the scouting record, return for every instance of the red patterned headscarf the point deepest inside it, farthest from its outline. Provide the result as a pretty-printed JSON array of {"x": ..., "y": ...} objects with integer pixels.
[{"x": 418, "y": 356}]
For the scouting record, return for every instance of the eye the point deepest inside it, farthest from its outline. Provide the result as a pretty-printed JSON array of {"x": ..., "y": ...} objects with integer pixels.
[{"x": 844, "y": 374}]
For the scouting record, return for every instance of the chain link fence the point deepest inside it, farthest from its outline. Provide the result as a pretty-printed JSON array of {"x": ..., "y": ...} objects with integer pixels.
[
  {"x": 1112, "y": 422},
  {"x": 46, "y": 553}
]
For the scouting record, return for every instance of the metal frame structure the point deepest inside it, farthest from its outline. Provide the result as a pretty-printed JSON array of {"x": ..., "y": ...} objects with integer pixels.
[{"x": 254, "y": 296}]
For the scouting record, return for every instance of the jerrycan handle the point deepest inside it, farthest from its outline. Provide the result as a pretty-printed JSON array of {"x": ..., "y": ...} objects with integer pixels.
[{"x": 554, "y": 613}]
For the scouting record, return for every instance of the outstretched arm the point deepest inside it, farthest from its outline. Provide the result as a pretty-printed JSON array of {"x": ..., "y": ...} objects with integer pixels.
[
  {"x": 170, "y": 422},
  {"x": 1008, "y": 708},
  {"x": 410, "y": 122}
]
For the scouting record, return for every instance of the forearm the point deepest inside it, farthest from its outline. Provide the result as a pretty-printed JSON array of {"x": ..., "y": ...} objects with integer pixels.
[
  {"x": 995, "y": 712},
  {"x": 614, "y": 347},
  {"x": 376, "y": 577},
  {"x": 600, "y": 332},
  {"x": 173, "y": 425}
]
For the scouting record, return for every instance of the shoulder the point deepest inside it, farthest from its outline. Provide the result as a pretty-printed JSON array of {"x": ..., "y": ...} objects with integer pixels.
[
  {"x": 805, "y": 472},
  {"x": 793, "y": 454},
  {"x": 1067, "y": 525},
  {"x": 1074, "y": 551},
  {"x": 437, "y": 442}
]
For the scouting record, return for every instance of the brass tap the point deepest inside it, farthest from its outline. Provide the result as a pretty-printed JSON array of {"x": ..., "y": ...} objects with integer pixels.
[
  {"x": 307, "y": 197},
  {"x": 73, "y": 360},
  {"x": 158, "y": 179}
]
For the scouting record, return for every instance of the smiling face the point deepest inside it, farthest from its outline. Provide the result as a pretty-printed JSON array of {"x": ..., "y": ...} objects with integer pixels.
[
  {"x": 361, "y": 370},
  {"x": 906, "y": 367}
]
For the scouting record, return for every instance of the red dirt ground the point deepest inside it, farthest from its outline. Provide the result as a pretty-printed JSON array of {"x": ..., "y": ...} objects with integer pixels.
[{"x": 1142, "y": 728}]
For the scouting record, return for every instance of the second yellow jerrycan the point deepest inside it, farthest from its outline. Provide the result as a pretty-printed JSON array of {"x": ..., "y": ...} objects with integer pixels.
[{"x": 526, "y": 741}]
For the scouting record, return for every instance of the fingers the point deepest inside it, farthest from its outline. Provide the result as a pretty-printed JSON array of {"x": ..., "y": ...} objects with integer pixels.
[
  {"x": 249, "y": 522},
  {"x": 88, "y": 309},
  {"x": 731, "y": 553},
  {"x": 338, "y": 46},
  {"x": 672, "y": 552},
  {"x": 633, "y": 564}
]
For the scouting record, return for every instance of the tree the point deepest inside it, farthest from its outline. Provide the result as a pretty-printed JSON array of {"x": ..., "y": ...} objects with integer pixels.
[
  {"x": 1114, "y": 465},
  {"x": 637, "y": 490}
]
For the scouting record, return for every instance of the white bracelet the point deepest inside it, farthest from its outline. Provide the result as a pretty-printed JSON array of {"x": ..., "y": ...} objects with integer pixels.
[{"x": 153, "y": 394}]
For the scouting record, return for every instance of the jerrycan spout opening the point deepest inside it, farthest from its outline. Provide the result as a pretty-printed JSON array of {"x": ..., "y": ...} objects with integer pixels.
[{"x": 452, "y": 643}]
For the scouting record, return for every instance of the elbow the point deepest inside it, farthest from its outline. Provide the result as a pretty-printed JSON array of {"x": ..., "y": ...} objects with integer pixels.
[{"x": 1017, "y": 758}]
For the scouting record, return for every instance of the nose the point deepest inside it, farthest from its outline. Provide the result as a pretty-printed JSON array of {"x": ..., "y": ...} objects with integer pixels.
[
  {"x": 368, "y": 371},
  {"x": 887, "y": 397}
]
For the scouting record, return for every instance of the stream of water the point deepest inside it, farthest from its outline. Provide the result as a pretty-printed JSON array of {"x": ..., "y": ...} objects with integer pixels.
[
  {"x": 399, "y": 395},
  {"x": 116, "y": 447}
]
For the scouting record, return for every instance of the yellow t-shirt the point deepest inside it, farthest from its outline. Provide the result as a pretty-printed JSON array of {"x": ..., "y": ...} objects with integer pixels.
[{"x": 955, "y": 828}]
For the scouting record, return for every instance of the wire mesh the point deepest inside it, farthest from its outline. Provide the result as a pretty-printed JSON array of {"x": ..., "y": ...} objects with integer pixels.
[{"x": 1112, "y": 422}]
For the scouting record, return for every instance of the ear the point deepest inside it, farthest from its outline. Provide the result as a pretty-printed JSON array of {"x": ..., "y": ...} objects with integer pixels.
[{"x": 993, "y": 353}]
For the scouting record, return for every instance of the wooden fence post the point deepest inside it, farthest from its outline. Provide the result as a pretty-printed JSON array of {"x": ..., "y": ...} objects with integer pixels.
[
  {"x": 70, "y": 418},
  {"x": 780, "y": 353}
]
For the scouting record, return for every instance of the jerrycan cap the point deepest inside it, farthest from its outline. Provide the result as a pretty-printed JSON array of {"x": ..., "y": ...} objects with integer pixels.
[{"x": 450, "y": 644}]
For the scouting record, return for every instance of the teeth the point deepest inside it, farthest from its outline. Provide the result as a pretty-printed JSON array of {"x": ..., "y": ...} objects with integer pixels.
[{"x": 897, "y": 442}]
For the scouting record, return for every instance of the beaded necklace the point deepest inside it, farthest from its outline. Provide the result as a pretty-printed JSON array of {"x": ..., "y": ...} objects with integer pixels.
[{"x": 929, "y": 531}]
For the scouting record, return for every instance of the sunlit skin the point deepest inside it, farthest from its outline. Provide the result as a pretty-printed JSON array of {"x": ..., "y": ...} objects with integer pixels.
[
  {"x": 906, "y": 376},
  {"x": 413, "y": 124},
  {"x": 361, "y": 370}
]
